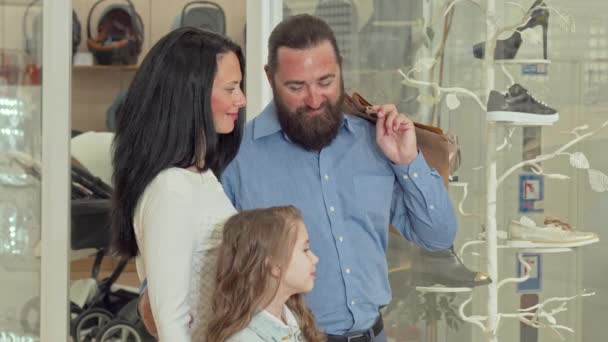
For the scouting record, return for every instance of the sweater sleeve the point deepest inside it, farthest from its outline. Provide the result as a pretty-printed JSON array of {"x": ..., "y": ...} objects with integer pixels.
[{"x": 169, "y": 242}]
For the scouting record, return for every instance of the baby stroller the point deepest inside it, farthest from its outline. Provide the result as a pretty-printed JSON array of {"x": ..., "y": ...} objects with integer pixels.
[{"x": 101, "y": 309}]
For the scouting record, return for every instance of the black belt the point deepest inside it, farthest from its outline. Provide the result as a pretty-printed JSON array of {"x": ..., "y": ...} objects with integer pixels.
[{"x": 363, "y": 336}]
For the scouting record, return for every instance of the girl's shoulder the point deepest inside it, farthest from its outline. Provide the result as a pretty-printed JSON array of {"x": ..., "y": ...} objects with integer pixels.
[
  {"x": 246, "y": 335},
  {"x": 266, "y": 328}
]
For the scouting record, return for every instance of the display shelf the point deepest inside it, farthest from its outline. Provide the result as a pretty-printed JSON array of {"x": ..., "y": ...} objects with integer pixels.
[
  {"x": 549, "y": 245},
  {"x": 105, "y": 67},
  {"x": 545, "y": 250},
  {"x": 523, "y": 61},
  {"x": 401, "y": 268},
  {"x": 438, "y": 288},
  {"x": 521, "y": 244},
  {"x": 521, "y": 124},
  {"x": 20, "y": 3}
]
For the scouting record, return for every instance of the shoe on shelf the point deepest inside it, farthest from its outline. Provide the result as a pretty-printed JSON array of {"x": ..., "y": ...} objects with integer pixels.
[
  {"x": 554, "y": 233},
  {"x": 507, "y": 48},
  {"x": 518, "y": 105},
  {"x": 445, "y": 268}
]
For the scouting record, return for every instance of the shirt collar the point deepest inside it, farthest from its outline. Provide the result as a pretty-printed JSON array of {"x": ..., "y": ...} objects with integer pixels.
[
  {"x": 267, "y": 122},
  {"x": 267, "y": 326}
]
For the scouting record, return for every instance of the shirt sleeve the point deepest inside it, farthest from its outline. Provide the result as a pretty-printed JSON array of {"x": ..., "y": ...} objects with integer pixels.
[
  {"x": 421, "y": 208},
  {"x": 229, "y": 179},
  {"x": 168, "y": 236}
]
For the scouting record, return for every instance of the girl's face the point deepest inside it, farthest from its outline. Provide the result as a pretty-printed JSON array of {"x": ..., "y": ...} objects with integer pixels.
[
  {"x": 226, "y": 96},
  {"x": 301, "y": 271}
]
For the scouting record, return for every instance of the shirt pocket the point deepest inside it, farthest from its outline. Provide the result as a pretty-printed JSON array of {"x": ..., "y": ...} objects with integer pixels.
[{"x": 374, "y": 195}]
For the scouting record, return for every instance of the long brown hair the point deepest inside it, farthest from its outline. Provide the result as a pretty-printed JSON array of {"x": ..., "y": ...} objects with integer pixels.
[{"x": 244, "y": 284}]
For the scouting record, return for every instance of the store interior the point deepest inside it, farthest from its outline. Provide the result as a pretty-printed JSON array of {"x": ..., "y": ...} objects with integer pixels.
[{"x": 416, "y": 54}]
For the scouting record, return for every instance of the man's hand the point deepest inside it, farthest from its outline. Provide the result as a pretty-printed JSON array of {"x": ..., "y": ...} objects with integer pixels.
[
  {"x": 145, "y": 311},
  {"x": 395, "y": 134}
]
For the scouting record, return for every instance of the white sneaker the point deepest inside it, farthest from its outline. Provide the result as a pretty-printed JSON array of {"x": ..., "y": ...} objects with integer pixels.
[{"x": 553, "y": 234}]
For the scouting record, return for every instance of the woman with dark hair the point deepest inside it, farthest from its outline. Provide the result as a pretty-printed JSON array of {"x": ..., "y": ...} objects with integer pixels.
[{"x": 180, "y": 125}]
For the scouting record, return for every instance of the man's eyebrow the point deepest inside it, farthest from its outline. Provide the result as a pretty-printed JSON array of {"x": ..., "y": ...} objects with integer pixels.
[
  {"x": 327, "y": 77},
  {"x": 294, "y": 83},
  {"x": 322, "y": 78}
]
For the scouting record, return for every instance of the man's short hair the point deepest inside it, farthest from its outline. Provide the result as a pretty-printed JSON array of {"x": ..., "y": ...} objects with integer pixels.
[{"x": 300, "y": 31}]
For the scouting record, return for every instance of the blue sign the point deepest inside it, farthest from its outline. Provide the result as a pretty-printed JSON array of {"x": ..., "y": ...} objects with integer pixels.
[
  {"x": 534, "y": 69},
  {"x": 531, "y": 193},
  {"x": 533, "y": 284}
]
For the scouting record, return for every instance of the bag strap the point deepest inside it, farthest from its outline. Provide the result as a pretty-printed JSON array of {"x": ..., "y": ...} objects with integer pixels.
[{"x": 358, "y": 106}]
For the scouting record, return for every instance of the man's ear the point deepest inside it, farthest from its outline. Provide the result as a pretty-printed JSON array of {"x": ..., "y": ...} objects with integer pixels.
[{"x": 268, "y": 75}]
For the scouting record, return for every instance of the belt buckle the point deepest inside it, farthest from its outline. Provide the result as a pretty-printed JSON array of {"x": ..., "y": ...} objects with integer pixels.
[{"x": 353, "y": 338}]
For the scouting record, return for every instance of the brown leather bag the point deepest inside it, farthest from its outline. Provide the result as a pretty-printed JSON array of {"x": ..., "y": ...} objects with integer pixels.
[{"x": 431, "y": 140}]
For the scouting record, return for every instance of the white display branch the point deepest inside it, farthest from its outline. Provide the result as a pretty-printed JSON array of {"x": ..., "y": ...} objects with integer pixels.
[
  {"x": 537, "y": 316},
  {"x": 465, "y": 192},
  {"x": 540, "y": 316},
  {"x": 506, "y": 142},
  {"x": 491, "y": 184},
  {"x": 475, "y": 320},
  {"x": 598, "y": 180},
  {"x": 427, "y": 64},
  {"x": 577, "y": 159}
]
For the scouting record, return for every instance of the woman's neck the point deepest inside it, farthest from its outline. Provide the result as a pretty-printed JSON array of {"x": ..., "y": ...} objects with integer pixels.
[{"x": 196, "y": 168}]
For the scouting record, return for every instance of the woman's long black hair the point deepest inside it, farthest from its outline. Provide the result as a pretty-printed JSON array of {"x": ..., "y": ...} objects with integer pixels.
[{"x": 166, "y": 121}]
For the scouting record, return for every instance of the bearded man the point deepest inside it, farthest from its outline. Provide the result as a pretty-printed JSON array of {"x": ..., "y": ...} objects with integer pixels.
[{"x": 348, "y": 178}]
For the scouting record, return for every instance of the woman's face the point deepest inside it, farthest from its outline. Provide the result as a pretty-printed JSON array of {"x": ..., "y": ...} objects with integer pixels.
[{"x": 226, "y": 96}]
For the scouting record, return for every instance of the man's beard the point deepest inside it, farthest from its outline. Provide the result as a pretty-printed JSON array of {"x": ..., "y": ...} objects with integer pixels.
[{"x": 311, "y": 132}]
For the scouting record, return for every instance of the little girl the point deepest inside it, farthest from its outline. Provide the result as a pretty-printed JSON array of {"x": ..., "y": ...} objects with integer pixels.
[{"x": 264, "y": 266}]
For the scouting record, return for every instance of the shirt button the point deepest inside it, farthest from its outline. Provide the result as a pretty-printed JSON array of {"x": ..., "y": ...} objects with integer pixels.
[
  {"x": 341, "y": 239},
  {"x": 348, "y": 271},
  {"x": 415, "y": 175},
  {"x": 352, "y": 302},
  {"x": 332, "y": 209},
  {"x": 326, "y": 177},
  {"x": 432, "y": 207},
  {"x": 406, "y": 177}
]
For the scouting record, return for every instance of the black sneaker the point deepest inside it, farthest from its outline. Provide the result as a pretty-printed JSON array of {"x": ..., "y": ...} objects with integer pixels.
[
  {"x": 517, "y": 105},
  {"x": 445, "y": 268}
]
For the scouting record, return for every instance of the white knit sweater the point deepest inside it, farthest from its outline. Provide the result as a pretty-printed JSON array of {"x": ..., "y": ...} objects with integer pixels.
[{"x": 178, "y": 225}]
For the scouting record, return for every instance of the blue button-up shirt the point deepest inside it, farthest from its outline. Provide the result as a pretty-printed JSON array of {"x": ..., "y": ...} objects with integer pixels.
[{"x": 348, "y": 194}]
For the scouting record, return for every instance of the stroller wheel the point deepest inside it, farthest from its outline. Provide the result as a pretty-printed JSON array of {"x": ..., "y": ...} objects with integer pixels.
[
  {"x": 85, "y": 327},
  {"x": 118, "y": 330},
  {"x": 30, "y": 316}
]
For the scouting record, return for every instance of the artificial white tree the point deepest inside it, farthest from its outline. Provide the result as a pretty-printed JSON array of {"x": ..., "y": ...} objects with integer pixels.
[{"x": 540, "y": 315}]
